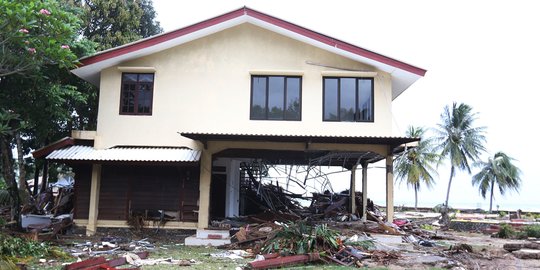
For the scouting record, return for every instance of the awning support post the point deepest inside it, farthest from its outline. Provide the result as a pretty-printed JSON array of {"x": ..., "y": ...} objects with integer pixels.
[
  {"x": 364, "y": 191},
  {"x": 352, "y": 190},
  {"x": 94, "y": 200},
  {"x": 389, "y": 188},
  {"x": 204, "y": 189}
]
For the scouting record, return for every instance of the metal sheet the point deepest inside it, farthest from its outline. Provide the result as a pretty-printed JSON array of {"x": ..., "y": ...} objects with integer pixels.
[{"x": 156, "y": 154}]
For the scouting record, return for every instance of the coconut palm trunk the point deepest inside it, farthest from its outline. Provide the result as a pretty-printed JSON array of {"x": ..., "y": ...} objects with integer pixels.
[
  {"x": 415, "y": 198},
  {"x": 491, "y": 196},
  {"x": 452, "y": 171}
]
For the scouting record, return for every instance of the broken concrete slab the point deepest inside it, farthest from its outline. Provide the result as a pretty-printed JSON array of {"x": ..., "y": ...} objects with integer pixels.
[
  {"x": 527, "y": 254},
  {"x": 517, "y": 246}
]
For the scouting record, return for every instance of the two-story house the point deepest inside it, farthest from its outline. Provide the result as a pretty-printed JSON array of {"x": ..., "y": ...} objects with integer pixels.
[{"x": 243, "y": 85}]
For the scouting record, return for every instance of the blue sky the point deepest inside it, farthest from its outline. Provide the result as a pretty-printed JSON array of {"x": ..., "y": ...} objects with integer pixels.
[{"x": 483, "y": 53}]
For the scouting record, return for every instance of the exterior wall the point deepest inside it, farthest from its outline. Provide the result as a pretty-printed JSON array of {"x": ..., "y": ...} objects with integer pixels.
[
  {"x": 204, "y": 86},
  {"x": 142, "y": 188},
  {"x": 83, "y": 175}
]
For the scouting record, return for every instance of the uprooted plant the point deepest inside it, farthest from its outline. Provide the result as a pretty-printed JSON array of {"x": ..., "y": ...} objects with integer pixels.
[{"x": 302, "y": 238}]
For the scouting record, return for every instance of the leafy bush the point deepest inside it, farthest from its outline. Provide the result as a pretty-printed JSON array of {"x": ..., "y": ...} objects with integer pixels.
[
  {"x": 502, "y": 214},
  {"x": 506, "y": 231},
  {"x": 19, "y": 247},
  {"x": 301, "y": 238},
  {"x": 532, "y": 231},
  {"x": 427, "y": 227}
]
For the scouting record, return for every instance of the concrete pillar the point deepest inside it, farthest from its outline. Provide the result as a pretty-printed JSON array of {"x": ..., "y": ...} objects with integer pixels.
[
  {"x": 232, "y": 197},
  {"x": 94, "y": 200},
  {"x": 389, "y": 188},
  {"x": 204, "y": 189},
  {"x": 364, "y": 192},
  {"x": 352, "y": 190}
]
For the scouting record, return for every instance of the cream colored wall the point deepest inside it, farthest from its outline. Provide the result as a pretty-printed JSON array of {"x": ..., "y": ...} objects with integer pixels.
[{"x": 204, "y": 86}]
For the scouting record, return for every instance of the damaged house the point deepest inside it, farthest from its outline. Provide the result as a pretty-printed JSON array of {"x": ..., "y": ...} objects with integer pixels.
[{"x": 181, "y": 112}]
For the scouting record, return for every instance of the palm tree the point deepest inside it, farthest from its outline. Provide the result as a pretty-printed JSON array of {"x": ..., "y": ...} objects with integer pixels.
[
  {"x": 459, "y": 140},
  {"x": 499, "y": 171},
  {"x": 414, "y": 165}
]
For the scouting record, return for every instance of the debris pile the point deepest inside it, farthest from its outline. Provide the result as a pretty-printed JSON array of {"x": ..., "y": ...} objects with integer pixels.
[
  {"x": 270, "y": 197},
  {"x": 109, "y": 245}
]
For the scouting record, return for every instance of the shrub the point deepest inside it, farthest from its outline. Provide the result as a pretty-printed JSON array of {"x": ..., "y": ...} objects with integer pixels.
[
  {"x": 532, "y": 231},
  {"x": 20, "y": 248},
  {"x": 502, "y": 214},
  {"x": 506, "y": 231}
]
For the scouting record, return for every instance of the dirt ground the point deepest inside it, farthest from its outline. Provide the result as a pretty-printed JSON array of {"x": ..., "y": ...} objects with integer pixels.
[{"x": 487, "y": 252}]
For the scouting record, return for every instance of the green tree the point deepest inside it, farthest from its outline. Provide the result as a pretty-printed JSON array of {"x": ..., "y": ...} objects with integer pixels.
[
  {"x": 148, "y": 26},
  {"x": 111, "y": 23},
  {"x": 415, "y": 164},
  {"x": 497, "y": 171},
  {"x": 35, "y": 35},
  {"x": 459, "y": 140}
]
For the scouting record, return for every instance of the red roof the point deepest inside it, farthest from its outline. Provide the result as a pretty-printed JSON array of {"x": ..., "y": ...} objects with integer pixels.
[{"x": 151, "y": 41}]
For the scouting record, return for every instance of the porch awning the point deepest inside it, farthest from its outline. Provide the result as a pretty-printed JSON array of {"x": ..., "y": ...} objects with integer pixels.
[
  {"x": 392, "y": 141},
  {"x": 125, "y": 154}
]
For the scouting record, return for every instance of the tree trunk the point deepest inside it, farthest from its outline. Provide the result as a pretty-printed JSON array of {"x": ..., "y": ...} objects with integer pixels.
[
  {"x": 415, "y": 198},
  {"x": 44, "y": 176},
  {"x": 20, "y": 159},
  {"x": 35, "y": 188},
  {"x": 452, "y": 170},
  {"x": 445, "y": 219},
  {"x": 9, "y": 177},
  {"x": 491, "y": 197}
]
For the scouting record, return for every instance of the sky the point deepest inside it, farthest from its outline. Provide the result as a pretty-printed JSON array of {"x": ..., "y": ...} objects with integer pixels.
[{"x": 482, "y": 53}]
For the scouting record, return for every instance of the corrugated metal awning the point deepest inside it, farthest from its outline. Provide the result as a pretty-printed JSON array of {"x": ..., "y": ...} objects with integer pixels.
[
  {"x": 392, "y": 141},
  {"x": 126, "y": 154}
]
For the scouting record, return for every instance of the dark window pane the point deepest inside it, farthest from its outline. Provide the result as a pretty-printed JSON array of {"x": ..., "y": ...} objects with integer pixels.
[
  {"x": 258, "y": 98},
  {"x": 276, "y": 97},
  {"x": 347, "y": 99},
  {"x": 365, "y": 100},
  {"x": 292, "y": 102},
  {"x": 146, "y": 77},
  {"x": 331, "y": 99},
  {"x": 129, "y": 77}
]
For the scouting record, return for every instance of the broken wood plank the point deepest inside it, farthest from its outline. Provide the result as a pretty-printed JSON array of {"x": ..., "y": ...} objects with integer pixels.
[{"x": 86, "y": 263}]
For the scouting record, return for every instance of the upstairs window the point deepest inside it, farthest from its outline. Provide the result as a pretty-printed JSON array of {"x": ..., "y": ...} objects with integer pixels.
[
  {"x": 348, "y": 99},
  {"x": 276, "y": 98},
  {"x": 137, "y": 93}
]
